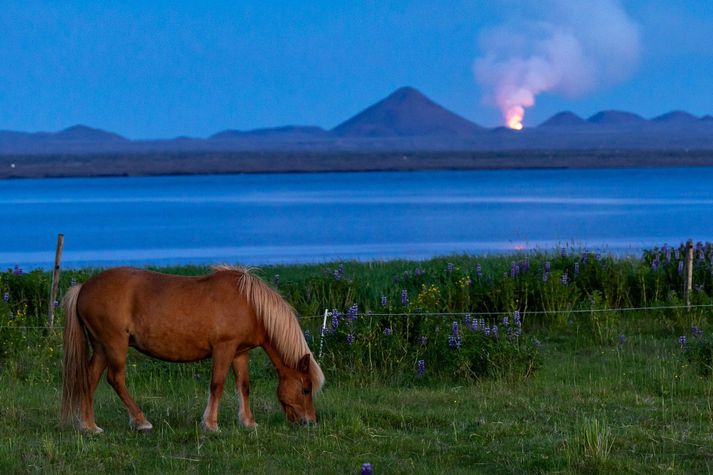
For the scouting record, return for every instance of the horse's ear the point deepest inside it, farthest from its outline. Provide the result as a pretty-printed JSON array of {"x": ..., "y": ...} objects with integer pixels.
[{"x": 303, "y": 365}]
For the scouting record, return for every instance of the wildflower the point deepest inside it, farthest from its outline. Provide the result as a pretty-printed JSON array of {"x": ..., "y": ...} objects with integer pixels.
[
  {"x": 420, "y": 368},
  {"x": 384, "y": 301},
  {"x": 404, "y": 297},
  {"x": 387, "y": 331},
  {"x": 353, "y": 312},
  {"x": 419, "y": 272},
  {"x": 474, "y": 325},
  {"x": 680, "y": 267},
  {"x": 56, "y": 303},
  {"x": 516, "y": 317},
  {"x": 467, "y": 319},
  {"x": 585, "y": 257},
  {"x": 548, "y": 266},
  {"x": 335, "y": 319},
  {"x": 17, "y": 270},
  {"x": 518, "y": 331},
  {"x": 505, "y": 321},
  {"x": 494, "y": 330},
  {"x": 576, "y": 269},
  {"x": 622, "y": 338},
  {"x": 514, "y": 270},
  {"x": 6, "y": 297},
  {"x": 564, "y": 279},
  {"x": 424, "y": 340},
  {"x": 455, "y": 328},
  {"x": 655, "y": 264},
  {"x": 696, "y": 331},
  {"x": 682, "y": 341},
  {"x": 545, "y": 276},
  {"x": 277, "y": 280},
  {"x": 525, "y": 266},
  {"x": 350, "y": 339},
  {"x": 450, "y": 267},
  {"x": 478, "y": 271},
  {"x": 486, "y": 330},
  {"x": 308, "y": 335},
  {"x": 366, "y": 469},
  {"x": 668, "y": 254}
]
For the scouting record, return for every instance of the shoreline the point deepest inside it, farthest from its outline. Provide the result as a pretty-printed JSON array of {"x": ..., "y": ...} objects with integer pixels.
[{"x": 219, "y": 163}]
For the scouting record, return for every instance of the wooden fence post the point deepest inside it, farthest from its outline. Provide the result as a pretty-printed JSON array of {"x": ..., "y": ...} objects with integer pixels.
[
  {"x": 55, "y": 280},
  {"x": 689, "y": 272}
]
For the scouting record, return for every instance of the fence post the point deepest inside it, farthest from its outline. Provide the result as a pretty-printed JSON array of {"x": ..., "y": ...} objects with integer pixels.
[
  {"x": 322, "y": 331},
  {"x": 55, "y": 280},
  {"x": 689, "y": 272}
]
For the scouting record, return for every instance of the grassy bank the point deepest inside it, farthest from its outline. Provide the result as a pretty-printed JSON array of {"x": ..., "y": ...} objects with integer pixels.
[{"x": 612, "y": 391}]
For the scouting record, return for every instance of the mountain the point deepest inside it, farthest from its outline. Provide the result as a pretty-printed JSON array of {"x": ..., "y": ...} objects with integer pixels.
[
  {"x": 563, "y": 119},
  {"x": 614, "y": 117},
  {"x": 287, "y": 131},
  {"x": 86, "y": 134},
  {"x": 676, "y": 117},
  {"x": 406, "y": 113}
]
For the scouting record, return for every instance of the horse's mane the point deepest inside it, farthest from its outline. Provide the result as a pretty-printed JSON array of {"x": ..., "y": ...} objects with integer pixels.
[{"x": 279, "y": 320}]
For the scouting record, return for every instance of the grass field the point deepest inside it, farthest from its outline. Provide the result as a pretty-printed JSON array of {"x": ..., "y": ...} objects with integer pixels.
[{"x": 616, "y": 395}]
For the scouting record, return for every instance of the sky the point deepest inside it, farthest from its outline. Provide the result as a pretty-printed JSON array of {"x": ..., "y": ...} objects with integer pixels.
[{"x": 162, "y": 69}]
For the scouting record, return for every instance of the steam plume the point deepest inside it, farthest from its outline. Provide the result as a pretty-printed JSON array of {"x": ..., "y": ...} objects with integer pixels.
[{"x": 559, "y": 46}]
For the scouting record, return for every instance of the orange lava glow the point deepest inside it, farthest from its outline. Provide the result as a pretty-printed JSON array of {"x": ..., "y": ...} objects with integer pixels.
[{"x": 515, "y": 122}]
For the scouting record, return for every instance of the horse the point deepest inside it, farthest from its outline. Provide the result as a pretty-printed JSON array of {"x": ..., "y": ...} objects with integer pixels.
[{"x": 174, "y": 318}]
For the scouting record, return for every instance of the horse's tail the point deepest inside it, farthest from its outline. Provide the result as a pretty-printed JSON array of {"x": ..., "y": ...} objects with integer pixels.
[{"x": 76, "y": 365}]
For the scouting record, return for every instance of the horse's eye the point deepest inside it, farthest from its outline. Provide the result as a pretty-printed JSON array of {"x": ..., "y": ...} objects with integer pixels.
[{"x": 306, "y": 392}]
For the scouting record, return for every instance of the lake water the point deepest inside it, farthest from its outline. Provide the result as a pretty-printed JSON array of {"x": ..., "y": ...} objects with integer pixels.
[{"x": 258, "y": 219}]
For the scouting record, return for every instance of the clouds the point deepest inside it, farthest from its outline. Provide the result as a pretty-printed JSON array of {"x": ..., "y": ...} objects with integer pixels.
[{"x": 559, "y": 46}]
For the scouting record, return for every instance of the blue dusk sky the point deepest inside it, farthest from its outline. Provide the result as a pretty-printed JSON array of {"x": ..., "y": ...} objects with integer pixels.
[{"x": 168, "y": 68}]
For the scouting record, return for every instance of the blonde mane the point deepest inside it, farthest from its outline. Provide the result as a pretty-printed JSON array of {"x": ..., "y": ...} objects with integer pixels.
[{"x": 279, "y": 320}]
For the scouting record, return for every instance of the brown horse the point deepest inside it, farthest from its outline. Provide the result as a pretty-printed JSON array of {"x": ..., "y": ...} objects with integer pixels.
[{"x": 181, "y": 319}]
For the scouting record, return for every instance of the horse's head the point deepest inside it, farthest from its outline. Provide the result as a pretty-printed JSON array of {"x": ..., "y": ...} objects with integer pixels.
[{"x": 295, "y": 392}]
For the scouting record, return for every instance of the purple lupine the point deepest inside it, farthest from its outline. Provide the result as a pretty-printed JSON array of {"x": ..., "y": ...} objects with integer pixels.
[
  {"x": 576, "y": 269},
  {"x": 518, "y": 331},
  {"x": 404, "y": 297},
  {"x": 585, "y": 256},
  {"x": 478, "y": 271},
  {"x": 667, "y": 253},
  {"x": 277, "y": 281},
  {"x": 366, "y": 469},
  {"x": 419, "y": 272},
  {"x": 548, "y": 266},
  {"x": 680, "y": 267},
  {"x": 486, "y": 330},
  {"x": 353, "y": 312},
  {"x": 387, "y": 331},
  {"x": 420, "y": 368},
  {"x": 6, "y": 297},
  {"x": 525, "y": 266},
  {"x": 474, "y": 325},
  {"x": 655, "y": 264},
  {"x": 505, "y": 321},
  {"x": 467, "y": 320},
  {"x": 335, "y": 319},
  {"x": 424, "y": 340},
  {"x": 682, "y": 341},
  {"x": 564, "y": 279},
  {"x": 494, "y": 330},
  {"x": 450, "y": 267},
  {"x": 622, "y": 339},
  {"x": 696, "y": 331},
  {"x": 350, "y": 339},
  {"x": 17, "y": 270},
  {"x": 516, "y": 317},
  {"x": 384, "y": 301},
  {"x": 56, "y": 304}
]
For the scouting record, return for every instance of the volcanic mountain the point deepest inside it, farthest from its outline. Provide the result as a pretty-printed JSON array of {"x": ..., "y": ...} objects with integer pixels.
[
  {"x": 563, "y": 119},
  {"x": 613, "y": 117},
  {"x": 406, "y": 113}
]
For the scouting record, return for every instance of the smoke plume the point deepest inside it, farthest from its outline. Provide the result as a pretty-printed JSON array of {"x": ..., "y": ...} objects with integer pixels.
[{"x": 558, "y": 46}]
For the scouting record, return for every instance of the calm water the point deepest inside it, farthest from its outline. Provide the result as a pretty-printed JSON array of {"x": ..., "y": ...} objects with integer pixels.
[{"x": 257, "y": 219}]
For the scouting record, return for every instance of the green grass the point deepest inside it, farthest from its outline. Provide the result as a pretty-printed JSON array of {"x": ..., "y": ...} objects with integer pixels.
[{"x": 635, "y": 408}]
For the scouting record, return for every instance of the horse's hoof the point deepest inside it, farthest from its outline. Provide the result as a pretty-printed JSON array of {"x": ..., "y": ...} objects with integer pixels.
[
  {"x": 248, "y": 424},
  {"x": 210, "y": 428},
  {"x": 91, "y": 430},
  {"x": 143, "y": 426}
]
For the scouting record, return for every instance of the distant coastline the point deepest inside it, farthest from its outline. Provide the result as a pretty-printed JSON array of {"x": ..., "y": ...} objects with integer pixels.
[{"x": 204, "y": 163}]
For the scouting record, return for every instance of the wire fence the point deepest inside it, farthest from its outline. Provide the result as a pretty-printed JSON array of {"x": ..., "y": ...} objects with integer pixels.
[{"x": 523, "y": 313}]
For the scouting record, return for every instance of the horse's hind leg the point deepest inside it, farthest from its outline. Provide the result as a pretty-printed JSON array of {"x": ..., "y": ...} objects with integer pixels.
[
  {"x": 242, "y": 387},
  {"x": 222, "y": 356},
  {"x": 96, "y": 368},
  {"x": 116, "y": 377}
]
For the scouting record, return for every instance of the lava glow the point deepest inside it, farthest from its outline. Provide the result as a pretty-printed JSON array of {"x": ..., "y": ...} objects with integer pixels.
[{"x": 514, "y": 116}]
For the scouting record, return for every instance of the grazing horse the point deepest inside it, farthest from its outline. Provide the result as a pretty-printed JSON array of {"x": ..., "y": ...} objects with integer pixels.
[{"x": 180, "y": 319}]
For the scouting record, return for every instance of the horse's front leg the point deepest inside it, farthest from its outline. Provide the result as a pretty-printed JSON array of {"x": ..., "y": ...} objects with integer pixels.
[
  {"x": 222, "y": 356},
  {"x": 242, "y": 387}
]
